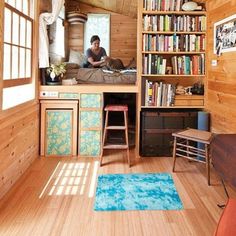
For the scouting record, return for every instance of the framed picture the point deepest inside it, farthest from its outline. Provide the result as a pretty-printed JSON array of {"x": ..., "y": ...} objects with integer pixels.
[{"x": 225, "y": 35}]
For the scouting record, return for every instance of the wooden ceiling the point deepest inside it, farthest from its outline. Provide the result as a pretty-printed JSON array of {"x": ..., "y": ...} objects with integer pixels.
[{"x": 124, "y": 7}]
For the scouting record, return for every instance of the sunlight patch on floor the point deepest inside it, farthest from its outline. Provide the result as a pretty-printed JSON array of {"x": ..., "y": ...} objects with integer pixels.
[{"x": 72, "y": 179}]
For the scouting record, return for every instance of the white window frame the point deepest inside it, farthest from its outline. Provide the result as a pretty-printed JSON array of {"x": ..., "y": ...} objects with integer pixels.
[{"x": 20, "y": 90}]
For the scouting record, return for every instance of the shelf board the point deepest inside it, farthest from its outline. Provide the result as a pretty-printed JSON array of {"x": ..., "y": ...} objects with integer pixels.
[
  {"x": 172, "y": 32},
  {"x": 196, "y": 13},
  {"x": 165, "y": 75},
  {"x": 172, "y": 107},
  {"x": 184, "y": 96},
  {"x": 172, "y": 53}
]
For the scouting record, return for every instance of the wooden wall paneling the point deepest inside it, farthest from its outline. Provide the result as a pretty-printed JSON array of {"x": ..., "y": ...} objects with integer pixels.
[
  {"x": 1, "y": 49},
  {"x": 221, "y": 84},
  {"x": 76, "y": 37},
  {"x": 45, "y": 6},
  {"x": 123, "y": 33},
  {"x": 20, "y": 146}
]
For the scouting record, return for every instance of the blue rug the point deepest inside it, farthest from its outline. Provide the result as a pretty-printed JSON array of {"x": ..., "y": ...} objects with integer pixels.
[{"x": 152, "y": 191}]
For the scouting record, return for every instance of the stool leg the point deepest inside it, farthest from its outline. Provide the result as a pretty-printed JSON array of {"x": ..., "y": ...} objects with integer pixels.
[
  {"x": 174, "y": 154},
  {"x": 207, "y": 164},
  {"x": 104, "y": 136},
  {"x": 126, "y": 135}
]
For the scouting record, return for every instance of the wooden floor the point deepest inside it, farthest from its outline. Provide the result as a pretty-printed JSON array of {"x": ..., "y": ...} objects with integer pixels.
[{"x": 56, "y": 195}]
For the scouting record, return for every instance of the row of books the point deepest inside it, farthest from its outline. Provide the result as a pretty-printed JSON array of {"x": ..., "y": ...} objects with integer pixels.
[
  {"x": 174, "y": 23},
  {"x": 174, "y": 43},
  {"x": 154, "y": 64},
  {"x": 186, "y": 65},
  {"x": 159, "y": 94},
  {"x": 163, "y": 5},
  {"x": 177, "y": 65}
]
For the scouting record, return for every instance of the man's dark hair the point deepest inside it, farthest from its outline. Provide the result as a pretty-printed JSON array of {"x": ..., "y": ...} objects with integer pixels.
[{"x": 94, "y": 38}]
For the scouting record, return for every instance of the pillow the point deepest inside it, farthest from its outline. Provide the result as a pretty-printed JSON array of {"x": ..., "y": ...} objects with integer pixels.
[
  {"x": 77, "y": 57},
  {"x": 71, "y": 65}
]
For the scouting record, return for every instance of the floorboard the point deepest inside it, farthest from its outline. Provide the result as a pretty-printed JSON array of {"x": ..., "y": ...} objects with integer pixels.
[{"x": 55, "y": 197}]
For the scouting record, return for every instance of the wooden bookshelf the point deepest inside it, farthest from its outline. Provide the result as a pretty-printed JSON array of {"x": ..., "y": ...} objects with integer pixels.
[
  {"x": 171, "y": 52},
  {"x": 171, "y": 49}
]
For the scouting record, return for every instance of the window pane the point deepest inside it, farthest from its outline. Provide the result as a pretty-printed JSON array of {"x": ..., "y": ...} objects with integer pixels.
[
  {"x": 22, "y": 31},
  {"x": 15, "y": 54},
  {"x": 11, "y": 2},
  {"x": 25, "y": 7},
  {"x": 17, "y": 95},
  {"x": 29, "y": 33},
  {"x": 28, "y": 63},
  {"x": 98, "y": 24},
  {"x": 15, "y": 33},
  {"x": 22, "y": 63},
  {"x": 7, "y": 62},
  {"x": 19, "y": 4},
  {"x": 7, "y": 25}
]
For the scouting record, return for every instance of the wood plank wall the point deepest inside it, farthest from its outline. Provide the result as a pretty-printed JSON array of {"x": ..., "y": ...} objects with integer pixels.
[
  {"x": 221, "y": 84},
  {"x": 123, "y": 32},
  {"x": 19, "y": 145},
  {"x": 19, "y": 133}
]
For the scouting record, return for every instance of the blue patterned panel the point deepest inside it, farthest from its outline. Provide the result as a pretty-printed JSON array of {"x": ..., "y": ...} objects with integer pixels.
[
  {"x": 150, "y": 191},
  {"x": 90, "y": 143},
  {"x": 91, "y": 100},
  {"x": 90, "y": 119},
  {"x": 59, "y": 132},
  {"x": 68, "y": 95}
]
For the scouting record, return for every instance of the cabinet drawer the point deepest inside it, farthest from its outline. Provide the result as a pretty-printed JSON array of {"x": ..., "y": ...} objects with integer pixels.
[
  {"x": 185, "y": 100},
  {"x": 90, "y": 143},
  {"x": 90, "y": 119},
  {"x": 91, "y": 100}
]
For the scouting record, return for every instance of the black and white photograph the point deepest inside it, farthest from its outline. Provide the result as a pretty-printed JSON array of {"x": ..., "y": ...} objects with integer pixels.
[{"x": 225, "y": 35}]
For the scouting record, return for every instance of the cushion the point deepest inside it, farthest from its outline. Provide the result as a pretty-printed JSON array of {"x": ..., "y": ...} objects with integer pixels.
[
  {"x": 70, "y": 65},
  {"x": 77, "y": 57},
  {"x": 227, "y": 222}
]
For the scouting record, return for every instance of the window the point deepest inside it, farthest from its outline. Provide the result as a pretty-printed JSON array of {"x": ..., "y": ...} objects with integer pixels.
[
  {"x": 98, "y": 24},
  {"x": 17, "y": 51}
]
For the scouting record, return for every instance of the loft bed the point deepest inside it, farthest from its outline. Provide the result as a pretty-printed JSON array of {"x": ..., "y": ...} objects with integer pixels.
[{"x": 104, "y": 75}]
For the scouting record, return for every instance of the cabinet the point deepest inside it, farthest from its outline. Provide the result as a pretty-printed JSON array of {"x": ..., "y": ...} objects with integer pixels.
[
  {"x": 59, "y": 127},
  {"x": 171, "y": 53},
  {"x": 157, "y": 128},
  {"x": 90, "y": 124}
]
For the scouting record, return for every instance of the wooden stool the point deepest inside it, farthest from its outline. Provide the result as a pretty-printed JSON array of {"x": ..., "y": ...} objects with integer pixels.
[
  {"x": 116, "y": 108},
  {"x": 182, "y": 148}
]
